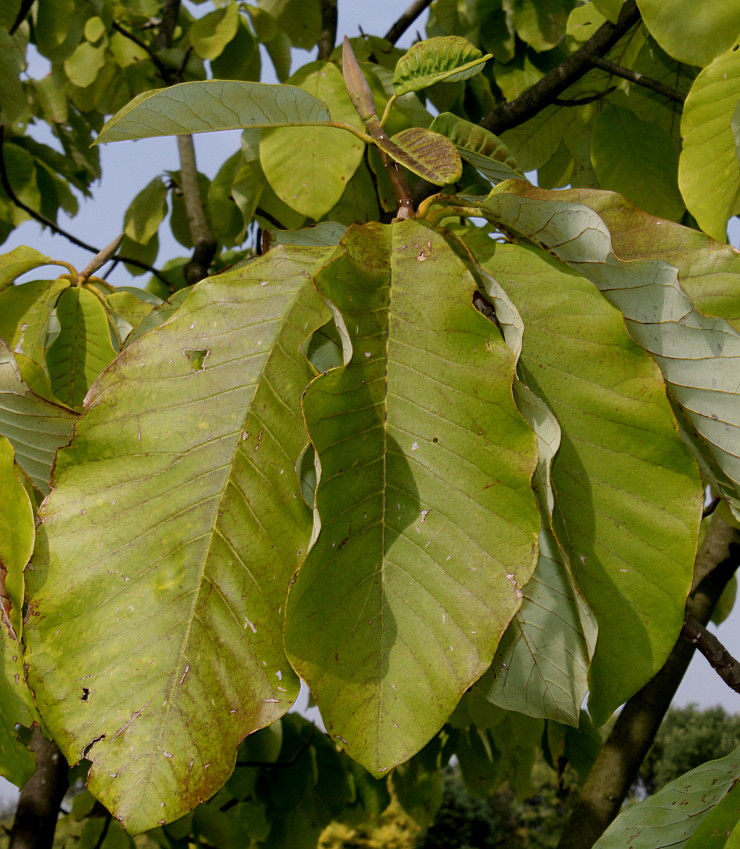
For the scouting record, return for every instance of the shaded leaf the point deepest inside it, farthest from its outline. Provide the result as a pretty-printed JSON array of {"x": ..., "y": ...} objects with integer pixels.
[
  {"x": 83, "y": 347},
  {"x": 542, "y": 24},
  {"x": 35, "y": 427},
  {"x": 708, "y": 172},
  {"x": 19, "y": 261},
  {"x": 442, "y": 59},
  {"x": 146, "y": 212},
  {"x": 428, "y": 154},
  {"x": 13, "y": 101},
  {"x": 633, "y": 558},
  {"x": 483, "y": 150},
  {"x": 637, "y": 159},
  {"x": 25, "y": 311},
  {"x": 299, "y": 19},
  {"x": 186, "y": 455},
  {"x": 672, "y": 815},
  {"x": 422, "y": 550},
  {"x": 200, "y": 107},
  {"x": 325, "y": 234}
]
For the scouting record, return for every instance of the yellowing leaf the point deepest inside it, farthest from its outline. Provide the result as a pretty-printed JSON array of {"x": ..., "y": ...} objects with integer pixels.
[{"x": 442, "y": 59}]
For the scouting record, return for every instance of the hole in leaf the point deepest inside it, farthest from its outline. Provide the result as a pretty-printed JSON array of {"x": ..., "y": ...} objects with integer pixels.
[
  {"x": 85, "y": 694},
  {"x": 196, "y": 358},
  {"x": 435, "y": 440}
]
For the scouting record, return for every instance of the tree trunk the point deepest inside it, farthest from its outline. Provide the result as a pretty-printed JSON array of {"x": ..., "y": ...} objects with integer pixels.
[
  {"x": 617, "y": 765},
  {"x": 38, "y": 806}
]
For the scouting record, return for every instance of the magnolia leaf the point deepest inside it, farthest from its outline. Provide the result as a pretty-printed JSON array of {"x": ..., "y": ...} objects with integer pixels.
[
  {"x": 671, "y": 816},
  {"x": 325, "y": 234},
  {"x": 428, "y": 522},
  {"x": 17, "y": 534},
  {"x": 19, "y": 261},
  {"x": 483, "y": 150},
  {"x": 129, "y": 307},
  {"x": 304, "y": 182},
  {"x": 692, "y": 39},
  {"x": 430, "y": 155},
  {"x": 146, "y": 212},
  {"x": 299, "y": 19},
  {"x": 35, "y": 427},
  {"x": 714, "y": 830},
  {"x": 186, "y": 456},
  {"x": 83, "y": 66},
  {"x": 698, "y": 355},
  {"x": 13, "y": 100},
  {"x": 634, "y": 562},
  {"x": 637, "y": 159},
  {"x": 25, "y": 311},
  {"x": 200, "y": 107},
  {"x": 240, "y": 59},
  {"x": 443, "y": 59},
  {"x": 543, "y": 25},
  {"x": 211, "y": 33},
  {"x": 83, "y": 347},
  {"x": 708, "y": 172},
  {"x": 708, "y": 271}
]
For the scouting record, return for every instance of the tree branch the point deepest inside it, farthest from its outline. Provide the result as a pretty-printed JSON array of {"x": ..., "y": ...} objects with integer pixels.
[
  {"x": 200, "y": 230},
  {"x": 25, "y": 8},
  {"x": 162, "y": 70},
  {"x": 55, "y": 228},
  {"x": 166, "y": 31},
  {"x": 38, "y": 806},
  {"x": 618, "y": 762},
  {"x": 406, "y": 19},
  {"x": 562, "y": 76},
  {"x": 639, "y": 79},
  {"x": 328, "y": 37},
  {"x": 719, "y": 658}
]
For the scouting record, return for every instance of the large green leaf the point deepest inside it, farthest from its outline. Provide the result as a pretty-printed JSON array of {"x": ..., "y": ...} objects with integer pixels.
[
  {"x": 211, "y": 33},
  {"x": 708, "y": 271},
  {"x": 200, "y": 107},
  {"x": 634, "y": 558},
  {"x": 305, "y": 182},
  {"x": 638, "y": 159},
  {"x": 708, "y": 172},
  {"x": 483, "y": 150},
  {"x": 300, "y": 19},
  {"x": 428, "y": 154},
  {"x": 442, "y": 59},
  {"x": 669, "y": 818},
  {"x": 35, "y": 427},
  {"x": 146, "y": 212},
  {"x": 699, "y": 356},
  {"x": 19, "y": 261},
  {"x": 185, "y": 459},
  {"x": 16, "y": 545},
  {"x": 688, "y": 37},
  {"x": 83, "y": 347},
  {"x": 25, "y": 311},
  {"x": 428, "y": 521}
]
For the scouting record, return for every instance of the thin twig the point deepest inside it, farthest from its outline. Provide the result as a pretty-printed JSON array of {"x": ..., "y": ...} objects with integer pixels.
[
  {"x": 562, "y": 76},
  {"x": 581, "y": 101},
  {"x": 406, "y": 19},
  {"x": 21, "y": 16},
  {"x": 723, "y": 663},
  {"x": 328, "y": 37},
  {"x": 104, "y": 831},
  {"x": 55, "y": 228},
  {"x": 167, "y": 24},
  {"x": 638, "y": 79},
  {"x": 162, "y": 69}
]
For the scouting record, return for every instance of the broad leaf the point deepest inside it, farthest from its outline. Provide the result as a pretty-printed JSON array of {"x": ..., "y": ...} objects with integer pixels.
[
  {"x": 300, "y": 19},
  {"x": 698, "y": 356},
  {"x": 708, "y": 173},
  {"x": 638, "y": 159},
  {"x": 428, "y": 522},
  {"x": 305, "y": 182},
  {"x": 483, "y": 150},
  {"x": 211, "y": 33},
  {"x": 19, "y": 261},
  {"x": 634, "y": 559},
  {"x": 83, "y": 347},
  {"x": 690, "y": 38},
  {"x": 186, "y": 457},
  {"x": 146, "y": 212},
  {"x": 35, "y": 427},
  {"x": 708, "y": 271},
  {"x": 428, "y": 154},
  {"x": 672, "y": 815},
  {"x": 200, "y": 107},
  {"x": 25, "y": 311},
  {"x": 325, "y": 234},
  {"x": 442, "y": 59}
]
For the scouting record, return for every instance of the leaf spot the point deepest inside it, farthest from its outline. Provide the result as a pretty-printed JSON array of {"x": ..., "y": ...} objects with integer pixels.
[
  {"x": 415, "y": 446},
  {"x": 423, "y": 515},
  {"x": 168, "y": 755}
]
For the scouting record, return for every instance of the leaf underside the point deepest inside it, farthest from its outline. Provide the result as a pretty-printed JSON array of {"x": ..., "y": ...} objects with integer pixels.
[
  {"x": 185, "y": 461},
  {"x": 428, "y": 522}
]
